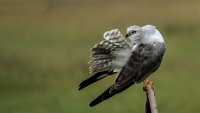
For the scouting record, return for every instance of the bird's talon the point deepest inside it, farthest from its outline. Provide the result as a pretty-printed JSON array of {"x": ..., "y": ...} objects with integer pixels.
[{"x": 147, "y": 82}]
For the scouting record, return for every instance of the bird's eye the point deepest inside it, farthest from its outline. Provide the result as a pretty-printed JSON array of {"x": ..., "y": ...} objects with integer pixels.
[{"x": 133, "y": 32}]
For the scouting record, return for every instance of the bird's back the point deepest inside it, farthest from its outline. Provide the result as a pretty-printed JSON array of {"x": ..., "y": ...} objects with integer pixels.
[{"x": 145, "y": 59}]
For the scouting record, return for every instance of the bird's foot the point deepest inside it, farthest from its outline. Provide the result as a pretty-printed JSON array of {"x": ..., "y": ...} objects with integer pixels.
[{"x": 147, "y": 82}]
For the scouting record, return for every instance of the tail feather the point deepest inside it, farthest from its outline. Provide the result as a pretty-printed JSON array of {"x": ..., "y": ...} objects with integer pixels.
[
  {"x": 94, "y": 78},
  {"x": 102, "y": 58},
  {"x": 106, "y": 46},
  {"x": 111, "y": 91},
  {"x": 100, "y": 64},
  {"x": 116, "y": 38},
  {"x": 102, "y": 53}
]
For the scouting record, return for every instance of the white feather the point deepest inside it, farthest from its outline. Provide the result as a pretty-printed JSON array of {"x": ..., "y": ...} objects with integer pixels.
[
  {"x": 147, "y": 34},
  {"x": 152, "y": 37},
  {"x": 121, "y": 59}
]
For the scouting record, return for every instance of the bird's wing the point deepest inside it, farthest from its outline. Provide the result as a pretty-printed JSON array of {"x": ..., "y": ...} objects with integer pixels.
[
  {"x": 145, "y": 59},
  {"x": 101, "y": 63}
]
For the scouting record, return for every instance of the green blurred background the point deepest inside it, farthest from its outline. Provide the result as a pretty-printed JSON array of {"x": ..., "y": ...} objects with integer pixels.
[{"x": 44, "y": 50}]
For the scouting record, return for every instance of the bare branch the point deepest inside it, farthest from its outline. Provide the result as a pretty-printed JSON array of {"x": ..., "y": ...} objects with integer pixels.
[{"x": 151, "y": 106}]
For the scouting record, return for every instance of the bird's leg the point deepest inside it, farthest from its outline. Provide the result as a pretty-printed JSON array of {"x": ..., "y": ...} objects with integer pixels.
[{"x": 147, "y": 82}]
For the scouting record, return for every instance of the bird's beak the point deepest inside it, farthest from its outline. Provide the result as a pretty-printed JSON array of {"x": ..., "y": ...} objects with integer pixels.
[{"x": 127, "y": 35}]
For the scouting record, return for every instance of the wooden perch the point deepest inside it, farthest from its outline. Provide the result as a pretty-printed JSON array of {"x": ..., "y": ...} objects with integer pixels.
[{"x": 151, "y": 106}]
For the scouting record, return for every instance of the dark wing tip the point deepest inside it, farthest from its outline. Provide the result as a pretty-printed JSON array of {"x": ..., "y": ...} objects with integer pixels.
[
  {"x": 94, "y": 78},
  {"x": 95, "y": 102},
  {"x": 83, "y": 84},
  {"x": 102, "y": 97},
  {"x": 80, "y": 87},
  {"x": 111, "y": 91}
]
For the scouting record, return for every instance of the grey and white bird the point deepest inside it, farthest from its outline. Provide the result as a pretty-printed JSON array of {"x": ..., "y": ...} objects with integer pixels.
[{"x": 134, "y": 60}]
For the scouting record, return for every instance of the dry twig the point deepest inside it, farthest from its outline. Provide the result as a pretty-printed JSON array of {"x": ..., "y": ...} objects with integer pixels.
[{"x": 151, "y": 106}]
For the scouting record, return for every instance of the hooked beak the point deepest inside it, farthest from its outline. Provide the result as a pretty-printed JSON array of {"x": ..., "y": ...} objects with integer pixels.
[{"x": 127, "y": 35}]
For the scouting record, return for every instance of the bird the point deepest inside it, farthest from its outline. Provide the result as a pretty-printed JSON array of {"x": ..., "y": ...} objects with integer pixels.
[{"x": 133, "y": 57}]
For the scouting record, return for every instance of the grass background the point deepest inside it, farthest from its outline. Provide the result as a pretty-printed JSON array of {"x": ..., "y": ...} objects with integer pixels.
[{"x": 44, "y": 49}]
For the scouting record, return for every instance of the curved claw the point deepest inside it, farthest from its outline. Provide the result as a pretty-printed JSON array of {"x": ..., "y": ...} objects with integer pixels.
[{"x": 147, "y": 82}]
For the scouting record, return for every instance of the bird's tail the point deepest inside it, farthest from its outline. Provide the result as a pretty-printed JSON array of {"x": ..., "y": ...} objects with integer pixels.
[
  {"x": 94, "y": 78},
  {"x": 102, "y": 56},
  {"x": 111, "y": 91}
]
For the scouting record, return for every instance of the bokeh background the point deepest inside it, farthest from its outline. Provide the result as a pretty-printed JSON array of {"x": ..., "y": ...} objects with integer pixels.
[{"x": 44, "y": 50}]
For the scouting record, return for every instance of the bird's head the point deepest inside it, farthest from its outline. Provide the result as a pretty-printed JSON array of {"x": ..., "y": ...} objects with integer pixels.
[
  {"x": 133, "y": 31},
  {"x": 145, "y": 34}
]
